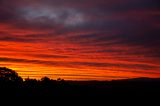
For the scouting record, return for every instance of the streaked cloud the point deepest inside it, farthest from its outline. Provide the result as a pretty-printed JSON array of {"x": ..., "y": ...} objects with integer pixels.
[{"x": 112, "y": 35}]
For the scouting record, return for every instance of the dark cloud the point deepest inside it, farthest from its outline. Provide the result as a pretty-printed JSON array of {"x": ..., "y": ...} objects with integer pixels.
[
  {"x": 114, "y": 29},
  {"x": 16, "y": 39},
  {"x": 100, "y": 15},
  {"x": 80, "y": 64},
  {"x": 96, "y": 76},
  {"x": 49, "y": 56},
  {"x": 71, "y": 15}
]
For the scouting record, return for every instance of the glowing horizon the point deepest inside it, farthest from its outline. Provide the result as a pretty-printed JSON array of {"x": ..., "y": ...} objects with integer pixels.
[{"x": 82, "y": 40}]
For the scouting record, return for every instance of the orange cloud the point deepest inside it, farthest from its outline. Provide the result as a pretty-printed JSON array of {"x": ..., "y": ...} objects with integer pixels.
[{"x": 100, "y": 40}]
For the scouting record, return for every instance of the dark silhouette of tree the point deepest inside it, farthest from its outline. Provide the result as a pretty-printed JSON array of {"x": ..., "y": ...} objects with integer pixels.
[
  {"x": 7, "y": 74},
  {"x": 46, "y": 87},
  {"x": 60, "y": 79},
  {"x": 28, "y": 80},
  {"x": 45, "y": 79}
]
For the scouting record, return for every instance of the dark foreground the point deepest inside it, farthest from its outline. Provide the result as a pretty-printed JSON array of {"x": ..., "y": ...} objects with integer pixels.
[{"x": 138, "y": 88}]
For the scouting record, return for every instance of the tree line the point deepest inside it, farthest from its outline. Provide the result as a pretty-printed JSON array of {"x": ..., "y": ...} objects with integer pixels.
[{"x": 12, "y": 85}]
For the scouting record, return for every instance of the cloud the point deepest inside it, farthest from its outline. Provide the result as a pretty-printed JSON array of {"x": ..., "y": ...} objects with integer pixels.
[
  {"x": 49, "y": 56},
  {"x": 79, "y": 64},
  {"x": 85, "y": 30},
  {"x": 16, "y": 39}
]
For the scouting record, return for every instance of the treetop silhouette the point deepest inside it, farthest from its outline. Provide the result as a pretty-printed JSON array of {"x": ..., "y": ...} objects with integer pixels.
[{"x": 7, "y": 74}]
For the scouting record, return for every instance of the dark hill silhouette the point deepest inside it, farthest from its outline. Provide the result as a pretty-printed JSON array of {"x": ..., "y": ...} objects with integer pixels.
[{"x": 12, "y": 85}]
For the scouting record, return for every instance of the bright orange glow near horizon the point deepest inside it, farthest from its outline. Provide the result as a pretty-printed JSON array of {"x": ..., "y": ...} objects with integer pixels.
[{"x": 80, "y": 40}]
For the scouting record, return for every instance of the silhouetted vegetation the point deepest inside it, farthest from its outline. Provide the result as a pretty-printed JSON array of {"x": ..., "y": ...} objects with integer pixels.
[
  {"x": 7, "y": 74},
  {"x": 12, "y": 85}
]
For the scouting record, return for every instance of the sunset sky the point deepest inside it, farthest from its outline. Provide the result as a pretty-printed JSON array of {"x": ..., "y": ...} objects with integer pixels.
[{"x": 81, "y": 39}]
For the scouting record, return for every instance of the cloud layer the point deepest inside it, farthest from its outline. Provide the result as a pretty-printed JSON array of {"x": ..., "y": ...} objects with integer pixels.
[{"x": 109, "y": 38}]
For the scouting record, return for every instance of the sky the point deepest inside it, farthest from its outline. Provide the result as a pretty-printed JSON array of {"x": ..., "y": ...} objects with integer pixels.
[{"x": 81, "y": 39}]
